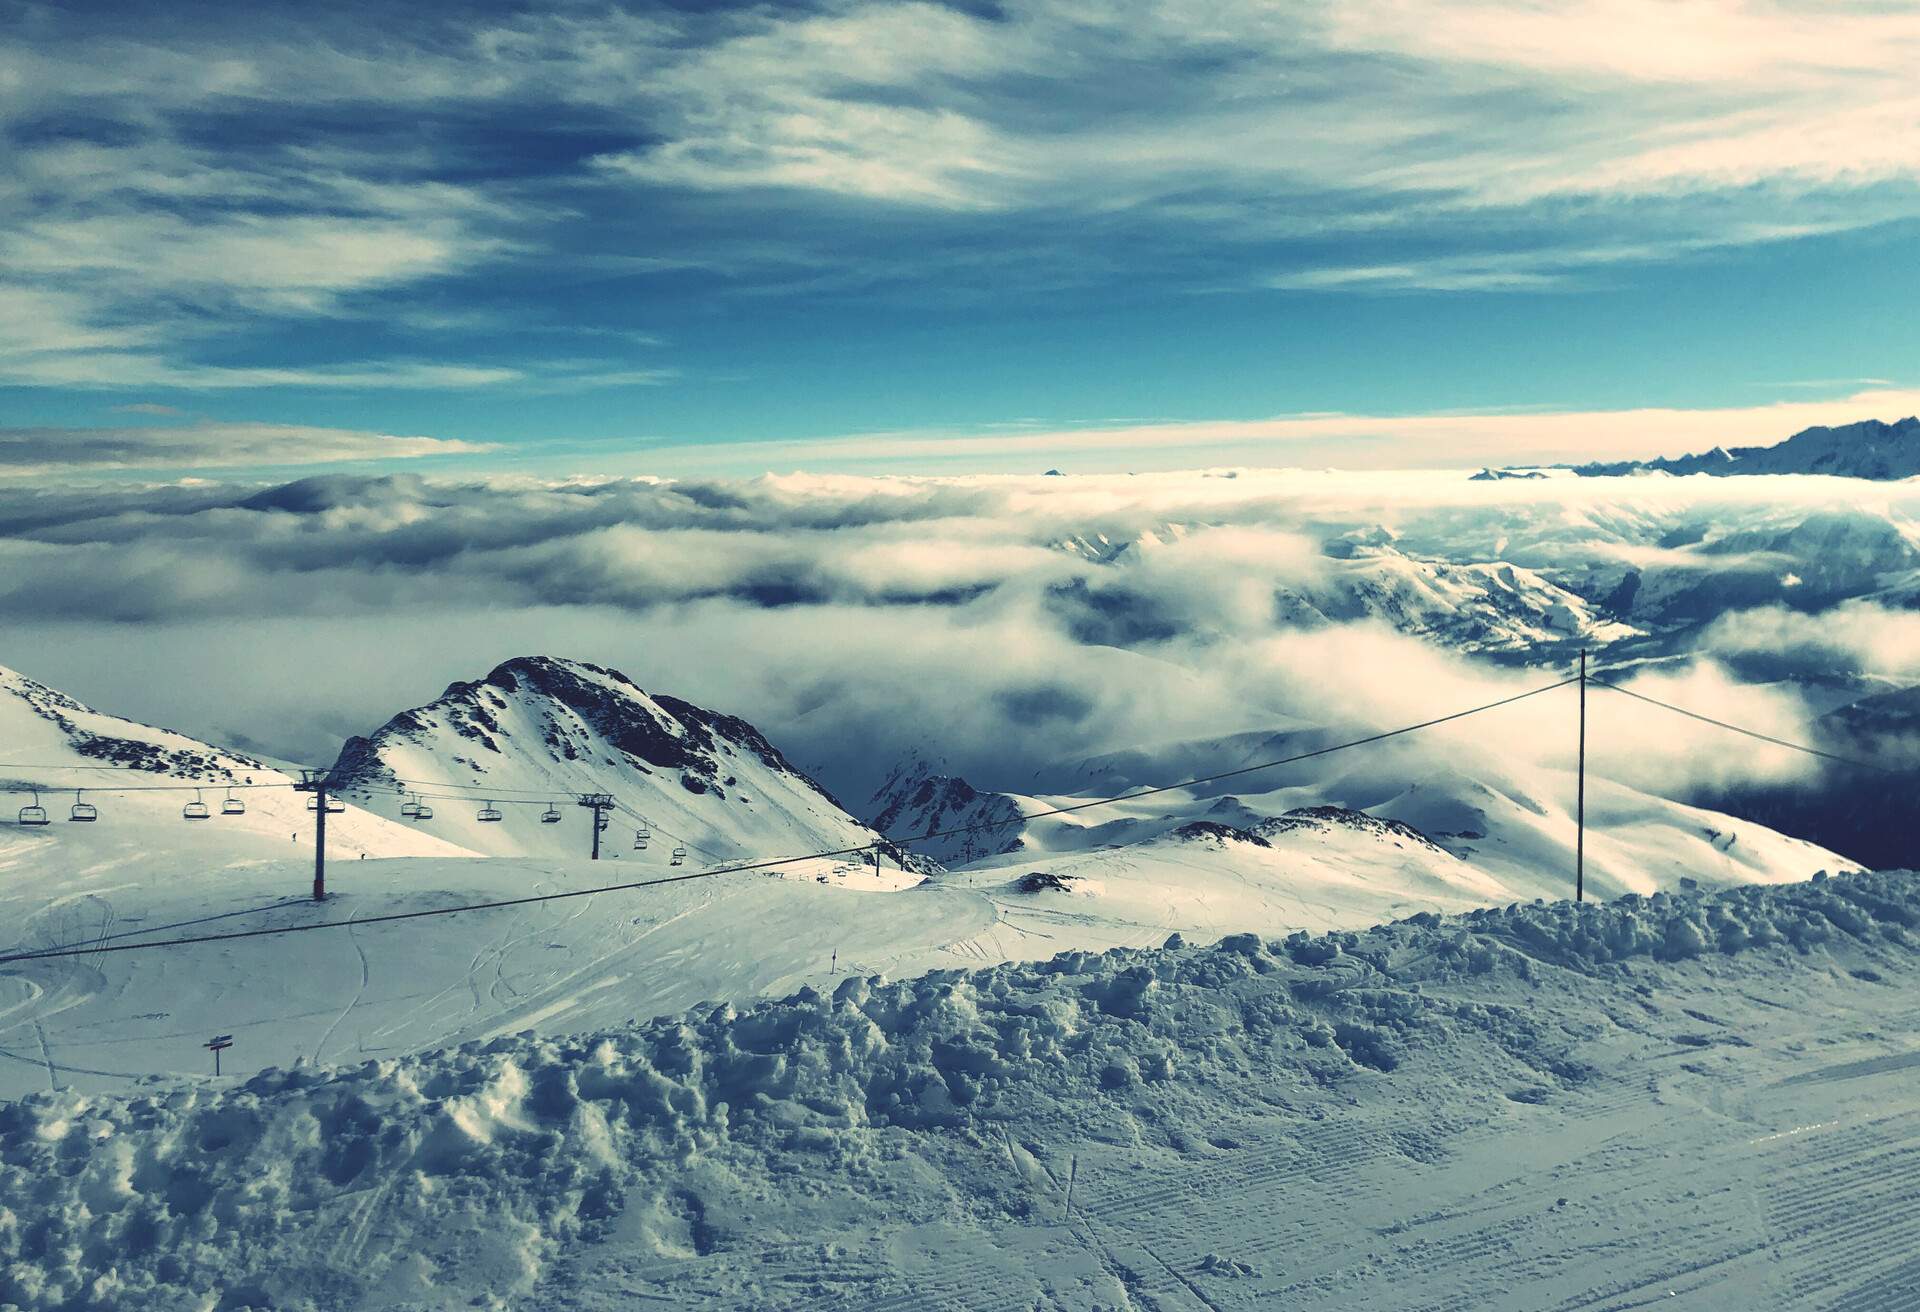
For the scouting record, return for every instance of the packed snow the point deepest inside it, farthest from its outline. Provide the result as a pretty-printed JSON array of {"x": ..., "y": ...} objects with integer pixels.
[{"x": 1705, "y": 1096}]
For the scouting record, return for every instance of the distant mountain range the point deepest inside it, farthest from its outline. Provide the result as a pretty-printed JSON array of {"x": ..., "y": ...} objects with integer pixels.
[{"x": 1868, "y": 449}]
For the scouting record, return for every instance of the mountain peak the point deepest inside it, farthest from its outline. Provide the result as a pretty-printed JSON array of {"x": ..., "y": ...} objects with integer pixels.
[{"x": 549, "y": 725}]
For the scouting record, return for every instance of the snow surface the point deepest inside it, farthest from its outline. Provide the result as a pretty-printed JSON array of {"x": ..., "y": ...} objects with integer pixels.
[
  {"x": 1706, "y": 1097},
  {"x": 1340, "y": 852}
]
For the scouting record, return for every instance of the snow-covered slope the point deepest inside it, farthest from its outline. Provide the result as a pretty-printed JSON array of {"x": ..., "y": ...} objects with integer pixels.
[
  {"x": 1868, "y": 449},
  {"x": 536, "y": 731},
  {"x": 1536, "y": 1107},
  {"x": 138, "y": 779}
]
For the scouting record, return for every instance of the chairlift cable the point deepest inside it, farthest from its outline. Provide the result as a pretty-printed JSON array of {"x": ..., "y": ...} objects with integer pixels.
[{"x": 771, "y": 863}]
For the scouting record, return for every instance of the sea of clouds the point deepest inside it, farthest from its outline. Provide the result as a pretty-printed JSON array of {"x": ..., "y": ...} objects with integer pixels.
[{"x": 1002, "y": 627}]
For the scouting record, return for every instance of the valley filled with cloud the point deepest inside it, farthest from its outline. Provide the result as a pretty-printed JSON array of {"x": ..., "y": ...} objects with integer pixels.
[{"x": 1057, "y": 617}]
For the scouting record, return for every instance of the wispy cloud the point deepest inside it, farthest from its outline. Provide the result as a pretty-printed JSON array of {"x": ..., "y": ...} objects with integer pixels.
[
  {"x": 1348, "y": 441},
  {"x": 167, "y": 196},
  {"x": 39, "y": 452}
]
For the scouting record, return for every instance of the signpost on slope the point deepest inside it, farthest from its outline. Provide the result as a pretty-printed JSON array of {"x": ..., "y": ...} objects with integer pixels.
[{"x": 218, "y": 1044}]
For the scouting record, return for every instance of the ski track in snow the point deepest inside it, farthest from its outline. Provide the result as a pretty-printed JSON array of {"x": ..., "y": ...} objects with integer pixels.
[{"x": 1538, "y": 1108}]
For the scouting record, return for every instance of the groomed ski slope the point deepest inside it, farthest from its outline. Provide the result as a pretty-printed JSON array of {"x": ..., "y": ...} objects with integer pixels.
[{"x": 1702, "y": 1100}]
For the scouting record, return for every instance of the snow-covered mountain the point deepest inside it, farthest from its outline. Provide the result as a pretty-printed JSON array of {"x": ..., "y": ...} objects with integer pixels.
[
  {"x": 138, "y": 780},
  {"x": 1868, "y": 449},
  {"x": 1365, "y": 574},
  {"x": 918, "y": 799},
  {"x": 537, "y": 731},
  {"x": 1480, "y": 606},
  {"x": 1786, "y": 556}
]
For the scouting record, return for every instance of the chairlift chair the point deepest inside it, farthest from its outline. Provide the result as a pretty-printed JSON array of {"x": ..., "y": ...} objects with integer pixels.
[
  {"x": 640, "y": 837},
  {"x": 85, "y": 811},
  {"x": 550, "y": 816},
  {"x": 679, "y": 856},
  {"x": 35, "y": 814},
  {"x": 421, "y": 811},
  {"x": 196, "y": 809},
  {"x": 335, "y": 805},
  {"x": 490, "y": 813},
  {"x": 410, "y": 809},
  {"x": 232, "y": 805}
]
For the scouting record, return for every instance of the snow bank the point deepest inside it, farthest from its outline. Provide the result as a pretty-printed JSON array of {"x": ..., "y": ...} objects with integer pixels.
[{"x": 452, "y": 1178}]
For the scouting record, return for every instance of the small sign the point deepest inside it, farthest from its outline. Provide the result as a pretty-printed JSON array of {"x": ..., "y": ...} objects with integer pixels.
[{"x": 218, "y": 1044}]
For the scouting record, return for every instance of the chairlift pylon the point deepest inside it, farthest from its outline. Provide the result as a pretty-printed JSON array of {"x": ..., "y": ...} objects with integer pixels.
[
  {"x": 196, "y": 809},
  {"x": 83, "y": 811},
  {"x": 35, "y": 814},
  {"x": 489, "y": 813}
]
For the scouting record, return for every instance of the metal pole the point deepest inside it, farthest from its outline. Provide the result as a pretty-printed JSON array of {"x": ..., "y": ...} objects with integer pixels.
[
  {"x": 599, "y": 804},
  {"x": 320, "y": 840},
  {"x": 1580, "y": 840}
]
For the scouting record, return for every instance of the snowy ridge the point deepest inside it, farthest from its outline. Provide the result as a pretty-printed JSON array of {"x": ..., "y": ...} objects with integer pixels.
[
  {"x": 457, "y": 1178},
  {"x": 707, "y": 779},
  {"x": 1867, "y": 449},
  {"x": 67, "y": 740},
  {"x": 71, "y": 732}
]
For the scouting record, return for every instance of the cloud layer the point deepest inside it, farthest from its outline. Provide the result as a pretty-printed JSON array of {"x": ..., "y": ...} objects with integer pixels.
[
  {"x": 205, "y": 445},
  {"x": 1007, "y": 625}
]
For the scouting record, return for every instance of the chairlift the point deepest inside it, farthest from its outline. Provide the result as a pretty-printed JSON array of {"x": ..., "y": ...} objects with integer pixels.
[
  {"x": 679, "y": 856},
  {"x": 421, "y": 811},
  {"x": 640, "y": 837},
  {"x": 35, "y": 814},
  {"x": 335, "y": 805},
  {"x": 196, "y": 809},
  {"x": 85, "y": 811},
  {"x": 550, "y": 816},
  {"x": 232, "y": 805},
  {"x": 490, "y": 813},
  {"x": 410, "y": 809}
]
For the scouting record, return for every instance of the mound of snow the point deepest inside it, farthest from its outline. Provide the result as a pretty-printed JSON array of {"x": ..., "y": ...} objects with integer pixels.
[{"x": 456, "y": 1178}]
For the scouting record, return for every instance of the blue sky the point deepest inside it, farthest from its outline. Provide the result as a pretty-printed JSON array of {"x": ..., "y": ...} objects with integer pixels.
[{"x": 682, "y": 238}]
